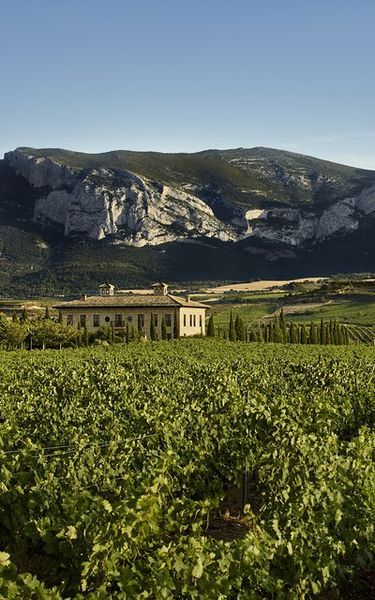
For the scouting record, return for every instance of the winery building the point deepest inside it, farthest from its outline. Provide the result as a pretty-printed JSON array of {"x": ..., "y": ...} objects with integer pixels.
[{"x": 136, "y": 309}]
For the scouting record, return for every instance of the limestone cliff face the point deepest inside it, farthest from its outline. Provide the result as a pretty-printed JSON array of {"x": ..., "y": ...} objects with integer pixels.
[
  {"x": 297, "y": 227},
  {"x": 136, "y": 210},
  {"x": 97, "y": 203}
]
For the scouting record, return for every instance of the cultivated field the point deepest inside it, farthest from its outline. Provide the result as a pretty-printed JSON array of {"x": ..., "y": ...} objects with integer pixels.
[
  {"x": 259, "y": 286},
  {"x": 121, "y": 470}
]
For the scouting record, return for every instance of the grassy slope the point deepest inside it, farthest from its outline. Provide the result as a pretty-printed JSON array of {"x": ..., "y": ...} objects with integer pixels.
[{"x": 352, "y": 307}]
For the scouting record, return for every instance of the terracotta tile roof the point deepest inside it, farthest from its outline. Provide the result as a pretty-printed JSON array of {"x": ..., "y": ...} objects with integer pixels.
[
  {"x": 135, "y": 300},
  {"x": 184, "y": 302}
]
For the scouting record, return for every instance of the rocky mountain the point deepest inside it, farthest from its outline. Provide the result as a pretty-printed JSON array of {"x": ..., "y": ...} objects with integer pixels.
[{"x": 258, "y": 204}]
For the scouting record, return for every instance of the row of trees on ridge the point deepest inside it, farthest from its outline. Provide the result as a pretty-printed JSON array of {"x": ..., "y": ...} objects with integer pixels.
[{"x": 279, "y": 331}]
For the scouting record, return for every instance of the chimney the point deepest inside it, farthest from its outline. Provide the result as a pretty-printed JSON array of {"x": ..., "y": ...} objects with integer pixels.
[
  {"x": 84, "y": 297},
  {"x": 188, "y": 298}
]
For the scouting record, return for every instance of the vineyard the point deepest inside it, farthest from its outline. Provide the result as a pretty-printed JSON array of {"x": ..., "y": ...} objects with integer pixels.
[{"x": 118, "y": 464}]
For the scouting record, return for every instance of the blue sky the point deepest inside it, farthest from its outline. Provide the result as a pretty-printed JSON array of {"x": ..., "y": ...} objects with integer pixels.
[{"x": 185, "y": 75}]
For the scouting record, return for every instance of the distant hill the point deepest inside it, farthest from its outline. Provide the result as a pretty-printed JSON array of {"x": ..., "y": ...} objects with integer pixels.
[{"x": 69, "y": 219}]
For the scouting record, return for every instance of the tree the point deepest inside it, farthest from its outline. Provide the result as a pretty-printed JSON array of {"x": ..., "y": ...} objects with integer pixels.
[
  {"x": 240, "y": 328},
  {"x": 153, "y": 334},
  {"x": 323, "y": 337},
  {"x": 259, "y": 334},
  {"x": 314, "y": 334},
  {"x": 24, "y": 316},
  {"x": 304, "y": 336},
  {"x": 12, "y": 333},
  {"x": 211, "y": 327},
  {"x": 48, "y": 334},
  {"x": 176, "y": 331},
  {"x": 47, "y": 315},
  {"x": 85, "y": 334},
  {"x": 60, "y": 317},
  {"x": 293, "y": 328},
  {"x": 62, "y": 335},
  {"x": 163, "y": 329},
  {"x": 232, "y": 329},
  {"x": 278, "y": 336},
  {"x": 283, "y": 326},
  {"x": 132, "y": 333}
]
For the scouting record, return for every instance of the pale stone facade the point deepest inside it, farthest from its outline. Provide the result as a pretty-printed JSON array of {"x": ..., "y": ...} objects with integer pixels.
[{"x": 136, "y": 310}]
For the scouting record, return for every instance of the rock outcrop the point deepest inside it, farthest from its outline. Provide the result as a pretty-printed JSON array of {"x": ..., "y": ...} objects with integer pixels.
[{"x": 134, "y": 209}]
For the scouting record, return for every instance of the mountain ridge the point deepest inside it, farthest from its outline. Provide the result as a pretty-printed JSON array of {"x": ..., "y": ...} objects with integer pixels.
[{"x": 269, "y": 205}]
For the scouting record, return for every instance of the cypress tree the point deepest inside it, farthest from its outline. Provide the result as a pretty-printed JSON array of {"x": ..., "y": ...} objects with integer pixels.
[
  {"x": 79, "y": 334},
  {"x": 153, "y": 334},
  {"x": 211, "y": 327},
  {"x": 278, "y": 335},
  {"x": 336, "y": 333},
  {"x": 60, "y": 317},
  {"x": 260, "y": 334},
  {"x": 314, "y": 335},
  {"x": 271, "y": 333},
  {"x": 176, "y": 331},
  {"x": 47, "y": 315},
  {"x": 240, "y": 329},
  {"x": 111, "y": 332},
  {"x": 331, "y": 331},
  {"x": 232, "y": 329},
  {"x": 283, "y": 326},
  {"x": 293, "y": 333},
  {"x": 322, "y": 332},
  {"x": 237, "y": 326},
  {"x": 163, "y": 329},
  {"x": 14, "y": 317},
  {"x": 290, "y": 330},
  {"x": 85, "y": 334},
  {"x": 24, "y": 316},
  {"x": 127, "y": 333},
  {"x": 304, "y": 338}
]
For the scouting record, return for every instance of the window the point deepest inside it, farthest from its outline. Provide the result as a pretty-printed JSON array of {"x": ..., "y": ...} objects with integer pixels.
[
  {"x": 141, "y": 322},
  {"x": 194, "y": 321},
  {"x": 69, "y": 320},
  {"x": 155, "y": 319},
  {"x": 118, "y": 320},
  {"x": 184, "y": 320},
  {"x": 107, "y": 319},
  {"x": 169, "y": 336},
  {"x": 168, "y": 320},
  {"x": 200, "y": 320},
  {"x": 191, "y": 320},
  {"x": 82, "y": 320},
  {"x": 96, "y": 320}
]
